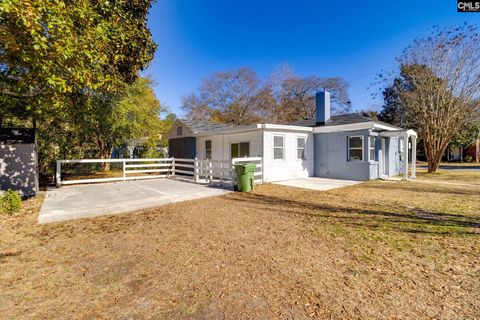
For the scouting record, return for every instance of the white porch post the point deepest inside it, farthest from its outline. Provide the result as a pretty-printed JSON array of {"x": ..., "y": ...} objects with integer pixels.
[
  {"x": 405, "y": 157},
  {"x": 414, "y": 157}
]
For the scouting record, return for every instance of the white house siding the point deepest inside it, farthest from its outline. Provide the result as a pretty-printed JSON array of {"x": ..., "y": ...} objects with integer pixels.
[
  {"x": 290, "y": 167},
  {"x": 261, "y": 145},
  {"x": 186, "y": 132},
  {"x": 221, "y": 144}
]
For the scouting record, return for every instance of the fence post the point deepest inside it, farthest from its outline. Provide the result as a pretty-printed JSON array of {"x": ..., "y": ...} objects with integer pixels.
[
  {"x": 124, "y": 171},
  {"x": 232, "y": 172},
  {"x": 58, "y": 174},
  {"x": 210, "y": 172},
  {"x": 221, "y": 171},
  {"x": 262, "y": 162},
  {"x": 195, "y": 169},
  {"x": 173, "y": 167}
]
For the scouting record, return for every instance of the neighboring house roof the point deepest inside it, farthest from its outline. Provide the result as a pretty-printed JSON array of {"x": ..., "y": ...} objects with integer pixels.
[
  {"x": 17, "y": 136},
  {"x": 341, "y": 119}
]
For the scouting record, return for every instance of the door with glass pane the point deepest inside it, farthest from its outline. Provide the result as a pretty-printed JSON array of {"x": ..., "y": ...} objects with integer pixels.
[{"x": 240, "y": 150}]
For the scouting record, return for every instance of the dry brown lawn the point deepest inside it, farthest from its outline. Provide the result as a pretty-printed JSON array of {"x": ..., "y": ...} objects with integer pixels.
[{"x": 379, "y": 250}]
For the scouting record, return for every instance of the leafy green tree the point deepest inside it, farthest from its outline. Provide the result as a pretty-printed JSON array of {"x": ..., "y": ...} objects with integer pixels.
[
  {"x": 467, "y": 136},
  {"x": 53, "y": 49},
  {"x": 114, "y": 120},
  {"x": 63, "y": 59}
]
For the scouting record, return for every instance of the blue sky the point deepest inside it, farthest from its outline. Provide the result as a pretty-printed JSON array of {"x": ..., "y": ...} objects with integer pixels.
[{"x": 355, "y": 40}]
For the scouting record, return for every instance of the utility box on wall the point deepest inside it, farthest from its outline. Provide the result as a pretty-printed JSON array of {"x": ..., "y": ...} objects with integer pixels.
[{"x": 18, "y": 161}]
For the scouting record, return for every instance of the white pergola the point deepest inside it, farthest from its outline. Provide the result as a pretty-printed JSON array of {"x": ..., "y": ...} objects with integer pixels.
[{"x": 406, "y": 135}]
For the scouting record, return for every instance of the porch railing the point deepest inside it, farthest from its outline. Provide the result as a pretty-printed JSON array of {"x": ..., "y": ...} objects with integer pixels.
[{"x": 200, "y": 171}]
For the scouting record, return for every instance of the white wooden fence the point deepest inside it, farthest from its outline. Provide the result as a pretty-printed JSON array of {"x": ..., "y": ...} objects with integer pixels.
[{"x": 200, "y": 171}]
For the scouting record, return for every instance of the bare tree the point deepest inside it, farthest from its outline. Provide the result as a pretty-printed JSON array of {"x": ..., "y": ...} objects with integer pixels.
[
  {"x": 238, "y": 97},
  {"x": 228, "y": 97},
  {"x": 295, "y": 95},
  {"x": 440, "y": 86}
]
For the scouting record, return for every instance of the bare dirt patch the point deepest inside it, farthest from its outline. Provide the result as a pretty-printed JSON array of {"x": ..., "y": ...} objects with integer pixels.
[{"x": 397, "y": 250}]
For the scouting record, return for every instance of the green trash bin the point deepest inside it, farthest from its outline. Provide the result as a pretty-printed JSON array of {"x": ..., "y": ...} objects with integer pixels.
[{"x": 244, "y": 174}]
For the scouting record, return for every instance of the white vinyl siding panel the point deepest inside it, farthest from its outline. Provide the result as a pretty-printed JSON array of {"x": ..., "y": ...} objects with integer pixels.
[
  {"x": 261, "y": 145},
  {"x": 289, "y": 167},
  {"x": 221, "y": 144},
  {"x": 186, "y": 132}
]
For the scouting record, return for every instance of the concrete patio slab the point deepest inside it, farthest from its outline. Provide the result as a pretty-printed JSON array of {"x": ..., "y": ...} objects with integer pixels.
[
  {"x": 90, "y": 200},
  {"x": 315, "y": 183}
]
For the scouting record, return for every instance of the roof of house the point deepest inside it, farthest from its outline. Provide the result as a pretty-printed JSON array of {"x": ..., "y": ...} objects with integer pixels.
[
  {"x": 17, "y": 136},
  {"x": 200, "y": 126},
  {"x": 338, "y": 120}
]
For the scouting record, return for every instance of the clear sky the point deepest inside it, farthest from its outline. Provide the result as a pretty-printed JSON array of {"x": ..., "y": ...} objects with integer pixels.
[{"x": 352, "y": 39}]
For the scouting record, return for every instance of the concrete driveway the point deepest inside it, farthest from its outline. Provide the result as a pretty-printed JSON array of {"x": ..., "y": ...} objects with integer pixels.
[
  {"x": 89, "y": 200},
  {"x": 315, "y": 183}
]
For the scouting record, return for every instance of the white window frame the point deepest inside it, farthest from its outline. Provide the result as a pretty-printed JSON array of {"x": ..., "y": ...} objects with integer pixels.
[
  {"x": 238, "y": 143},
  {"x": 179, "y": 131},
  {"x": 304, "y": 147},
  {"x": 283, "y": 147},
  {"x": 348, "y": 148},
  {"x": 206, "y": 150},
  {"x": 372, "y": 147}
]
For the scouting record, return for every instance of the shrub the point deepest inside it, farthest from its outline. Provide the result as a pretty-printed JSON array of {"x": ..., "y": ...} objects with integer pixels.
[
  {"x": 10, "y": 202},
  {"x": 468, "y": 158}
]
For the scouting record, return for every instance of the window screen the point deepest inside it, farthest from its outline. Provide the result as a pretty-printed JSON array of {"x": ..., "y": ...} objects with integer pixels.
[
  {"x": 208, "y": 149},
  {"x": 373, "y": 141},
  {"x": 355, "y": 148},
  {"x": 301, "y": 148},
  {"x": 278, "y": 147}
]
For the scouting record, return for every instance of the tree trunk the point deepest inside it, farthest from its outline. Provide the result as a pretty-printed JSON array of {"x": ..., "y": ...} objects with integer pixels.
[
  {"x": 105, "y": 152},
  {"x": 477, "y": 148},
  {"x": 434, "y": 153}
]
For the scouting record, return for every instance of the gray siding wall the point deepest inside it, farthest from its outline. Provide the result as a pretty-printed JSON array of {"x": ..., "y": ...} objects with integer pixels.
[
  {"x": 18, "y": 168},
  {"x": 331, "y": 159}
]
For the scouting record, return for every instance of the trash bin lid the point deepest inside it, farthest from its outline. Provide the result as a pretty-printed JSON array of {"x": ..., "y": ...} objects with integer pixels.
[
  {"x": 250, "y": 167},
  {"x": 240, "y": 168}
]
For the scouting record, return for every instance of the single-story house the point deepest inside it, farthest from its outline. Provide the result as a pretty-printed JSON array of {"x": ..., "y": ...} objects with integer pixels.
[
  {"x": 349, "y": 146},
  {"x": 18, "y": 161}
]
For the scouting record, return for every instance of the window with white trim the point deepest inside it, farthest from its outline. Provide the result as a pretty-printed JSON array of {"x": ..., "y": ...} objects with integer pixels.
[
  {"x": 208, "y": 149},
  {"x": 278, "y": 147},
  {"x": 301, "y": 142},
  {"x": 179, "y": 131},
  {"x": 240, "y": 150},
  {"x": 373, "y": 141},
  {"x": 355, "y": 148}
]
